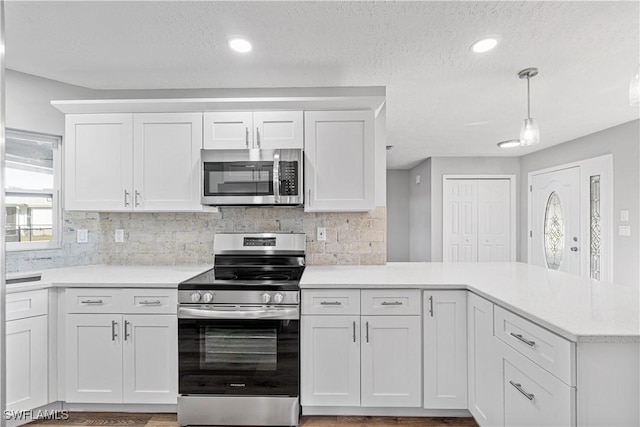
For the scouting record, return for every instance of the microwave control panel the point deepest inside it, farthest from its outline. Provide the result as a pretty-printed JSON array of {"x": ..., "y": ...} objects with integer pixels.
[{"x": 288, "y": 178}]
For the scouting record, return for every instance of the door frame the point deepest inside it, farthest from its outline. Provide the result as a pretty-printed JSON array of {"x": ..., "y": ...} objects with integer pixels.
[
  {"x": 512, "y": 208},
  {"x": 603, "y": 166}
]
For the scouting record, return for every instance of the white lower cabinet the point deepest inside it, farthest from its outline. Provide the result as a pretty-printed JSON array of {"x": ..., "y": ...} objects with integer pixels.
[
  {"x": 485, "y": 389},
  {"x": 351, "y": 360},
  {"x": 391, "y": 361},
  {"x": 330, "y": 361},
  {"x": 121, "y": 358},
  {"x": 27, "y": 352},
  {"x": 445, "y": 349}
]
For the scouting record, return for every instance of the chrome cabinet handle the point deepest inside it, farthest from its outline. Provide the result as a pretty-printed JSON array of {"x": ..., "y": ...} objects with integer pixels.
[
  {"x": 126, "y": 329},
  {"x": 431, "y": 305},
  {"x": 330, "y": 303},
  {"x": 354, "y": 331},
  {"x": 391, "y": 303},
  {"x": 309, "y": 197},
  {"x": 113, "y": 330},
  {"x": 156, "y": 302},
  {"x": 91, "y": 301},
  {"x": 518, "y": 387},
  {"x": 258, "y": 137},
  {"x": 247, "y": 136},
  {"x": 137, "y": 195},
  {"x": 524, "y": 340},
  {"x": 367, "y": 328},
  {"x": 126, "y": 197}
]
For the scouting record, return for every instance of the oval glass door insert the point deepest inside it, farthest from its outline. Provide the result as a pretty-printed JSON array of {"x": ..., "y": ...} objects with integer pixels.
[{"x": 553, "y": 232}]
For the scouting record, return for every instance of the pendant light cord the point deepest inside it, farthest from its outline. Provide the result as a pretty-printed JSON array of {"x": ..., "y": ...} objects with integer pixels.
[{"x": 528, "y": 99}]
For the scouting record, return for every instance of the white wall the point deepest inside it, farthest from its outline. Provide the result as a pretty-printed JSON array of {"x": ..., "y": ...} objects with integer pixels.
[
  {"x": 397, "y": 215},
  {"x": 465, "y": 166},
  {"x": 623, "y": 142},
  {"x": 420, "y": 212}
]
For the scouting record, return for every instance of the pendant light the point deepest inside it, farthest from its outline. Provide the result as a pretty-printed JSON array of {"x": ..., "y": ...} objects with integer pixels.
[
  {"x": 529, "y": 133},
  {"x": 634, "y": 89}
]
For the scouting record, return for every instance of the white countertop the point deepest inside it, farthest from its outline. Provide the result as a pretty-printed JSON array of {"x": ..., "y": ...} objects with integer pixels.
[
  {"x": 157, "y": 276},
  {"x": 578, "y": 309}
]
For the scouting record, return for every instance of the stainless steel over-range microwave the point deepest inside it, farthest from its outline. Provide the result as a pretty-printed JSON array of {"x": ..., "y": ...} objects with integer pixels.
[{"x": 252, "y": 177}]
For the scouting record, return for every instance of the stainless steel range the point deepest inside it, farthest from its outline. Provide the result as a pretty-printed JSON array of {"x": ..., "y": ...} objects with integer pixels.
[{"x": 238, "y": 333}]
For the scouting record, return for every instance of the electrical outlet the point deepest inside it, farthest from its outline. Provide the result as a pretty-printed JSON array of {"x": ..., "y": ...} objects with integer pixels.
[
  {"x": 322, "y": 234},
  {"x": 624, "y": 215},
  {"x": 624, "y": 230},
  {"x": 82, "y": 235},
  {"x": 119, "y": 235},
  {"x": 418, "y": 179}
]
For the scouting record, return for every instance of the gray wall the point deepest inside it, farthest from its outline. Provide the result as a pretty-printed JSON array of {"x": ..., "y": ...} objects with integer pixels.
[
  {"x": 420, "y": 203},
  {"x": 623, "y": 142},
  {"x": 465, "y": 166},
  {"x": 397, "y": 215}
]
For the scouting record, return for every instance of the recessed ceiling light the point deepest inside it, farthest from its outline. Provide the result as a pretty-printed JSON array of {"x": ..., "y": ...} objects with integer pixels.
[
  {"x": 484, "y": 45},
  {"x": 510, "y": 143},
  {"x": 239, "y": 44}
]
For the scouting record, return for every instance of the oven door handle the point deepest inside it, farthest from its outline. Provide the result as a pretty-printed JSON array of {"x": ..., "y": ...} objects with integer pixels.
[{"x": 280, "y": 313}]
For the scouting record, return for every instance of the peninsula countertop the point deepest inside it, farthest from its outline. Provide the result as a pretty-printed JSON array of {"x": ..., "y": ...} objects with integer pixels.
[{"x": 579, "y": 309}]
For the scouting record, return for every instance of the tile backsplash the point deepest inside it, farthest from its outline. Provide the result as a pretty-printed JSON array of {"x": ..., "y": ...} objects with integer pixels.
[{"x": 187, "y": 238}]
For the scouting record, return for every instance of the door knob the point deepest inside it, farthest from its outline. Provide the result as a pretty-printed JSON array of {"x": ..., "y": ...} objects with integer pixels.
[{"x": 574, "y": 249}]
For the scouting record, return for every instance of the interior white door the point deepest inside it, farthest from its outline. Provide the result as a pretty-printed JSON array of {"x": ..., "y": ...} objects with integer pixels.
[
  {"x": 460, "y": 226},
  {"x": 555, "y": 220},
  {"x": 494, "y": 220}
]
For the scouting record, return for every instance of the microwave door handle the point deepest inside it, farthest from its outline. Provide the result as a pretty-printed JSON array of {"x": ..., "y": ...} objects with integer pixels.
[{"x": 276, "y": 177}]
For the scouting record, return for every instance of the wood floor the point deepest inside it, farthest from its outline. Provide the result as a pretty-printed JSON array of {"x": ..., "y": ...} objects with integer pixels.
[{"x": 119, "y": 419}]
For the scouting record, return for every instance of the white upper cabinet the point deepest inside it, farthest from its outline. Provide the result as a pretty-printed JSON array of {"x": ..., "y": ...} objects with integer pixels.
[
  {"x": 242, "y": 130},
  {"x": 339, "y": 161},
  {"x": 166, "y": 154},
  {"x": 99, "y": 162},
  {"x": 125, "y": 162}
]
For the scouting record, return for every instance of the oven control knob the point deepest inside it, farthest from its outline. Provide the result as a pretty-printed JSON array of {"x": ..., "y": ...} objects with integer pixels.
[
  {"x": 266, "y": 297},
  {"x": 207, "y": 297},
  {"x": 277, "y": 298},
  {"x": 195, "y": 297}
]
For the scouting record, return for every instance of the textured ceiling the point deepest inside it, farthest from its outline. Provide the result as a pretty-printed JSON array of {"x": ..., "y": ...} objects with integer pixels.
[{"x": 442, "y": 99}]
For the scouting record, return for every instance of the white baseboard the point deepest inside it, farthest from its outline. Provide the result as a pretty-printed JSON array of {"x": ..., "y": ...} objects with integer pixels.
[
  {"x": 381, "y": 412},
  {"x": 119, "y": 407}
]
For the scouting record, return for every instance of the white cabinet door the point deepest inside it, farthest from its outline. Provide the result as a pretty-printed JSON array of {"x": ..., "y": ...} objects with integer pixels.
[
  {"x": 150, "y": 359},
  {"x": 391, "y": 361},
  {"x": 330, "y": 361},
  {"x": 445, "y": 350},
  {"x": 224, "y": 130},
  {"x": 93, "y": 359},
  {"x": 278, "y": 129},
  {"x": 339, "y": 161},
  {"x": 484, "y": 364},
  {"x": 26, "y": 363},
  {"x": 98, "y": 162},
  {"x": 167, "y": 161}
]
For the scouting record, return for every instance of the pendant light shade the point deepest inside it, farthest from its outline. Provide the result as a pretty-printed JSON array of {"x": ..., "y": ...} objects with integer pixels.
[
  {"x": 634, "y": 89},
  {"x": 530, "y": 132}
]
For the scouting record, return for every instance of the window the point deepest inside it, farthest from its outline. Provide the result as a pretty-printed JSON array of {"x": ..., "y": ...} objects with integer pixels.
[{"x": 32, "y": 177}]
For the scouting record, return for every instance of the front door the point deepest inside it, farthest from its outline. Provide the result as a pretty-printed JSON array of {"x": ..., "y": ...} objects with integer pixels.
[{"x": 555, "y": 220}]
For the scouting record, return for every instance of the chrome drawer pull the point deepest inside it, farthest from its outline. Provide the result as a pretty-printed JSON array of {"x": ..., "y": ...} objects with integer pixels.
[
  {"x": 113, "y": 330},
  {"x": 431, "y": 305},
  {"x": 354, "y": 331},
  {"x": 367, "y": 324},
  {"x": 126, "y": 329},
  {"x": 330, "y": 303},
  {"x": 391, "y": 303},
  {"x": 518, "y": 387},
  {"x": 145, "y": 302},
  {"x": 524, "y": 340},
  {"x": 90, "y": 301}
]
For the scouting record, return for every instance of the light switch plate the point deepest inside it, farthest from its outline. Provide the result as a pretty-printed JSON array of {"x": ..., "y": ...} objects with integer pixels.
[
  {"x": 417, "y": 179},
  {"x": 119, "y": 235},
  {"x": 82, "y": 235},
  {"x": 624, "y": 215},
  {"x": 322, "y": 234},
  {"x": 624, "y": 230}
]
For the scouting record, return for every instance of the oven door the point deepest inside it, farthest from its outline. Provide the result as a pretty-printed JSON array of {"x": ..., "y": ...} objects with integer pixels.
[
  {"x": 237, "y": 355},
  {"x": 252, "y": 177}
]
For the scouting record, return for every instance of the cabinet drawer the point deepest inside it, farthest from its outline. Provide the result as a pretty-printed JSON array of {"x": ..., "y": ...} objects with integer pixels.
[
  {"x": 27, "y": 304},
  {"x": 534, "y": 397},
  {"x": 391, "y": 302},
  {"x": 90, "y": 300},
  {"x": 331, "y": 301},
  {"x": 550, "y": 351},
  {"x": 150, "y": 300}
]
